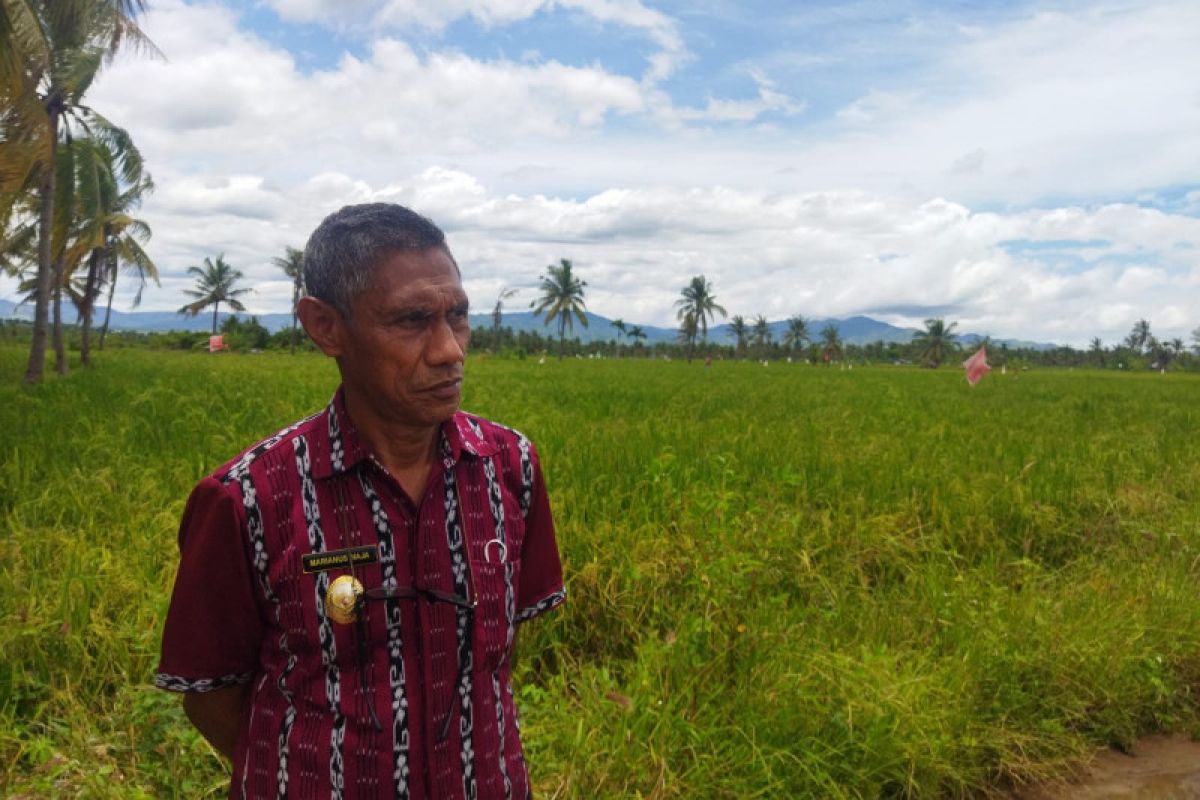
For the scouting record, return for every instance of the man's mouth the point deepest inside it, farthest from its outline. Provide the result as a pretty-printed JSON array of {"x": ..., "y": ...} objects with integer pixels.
[{"x": 446, "y": 390}]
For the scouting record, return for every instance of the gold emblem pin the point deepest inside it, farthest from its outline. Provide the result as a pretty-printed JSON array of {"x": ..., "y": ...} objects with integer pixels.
[{"x": 341, "y": 599}]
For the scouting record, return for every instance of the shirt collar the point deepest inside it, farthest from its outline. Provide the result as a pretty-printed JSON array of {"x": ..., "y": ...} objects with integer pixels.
[
  {"x": 345, "y": 447},
  {"x": 464, "y": 433}
]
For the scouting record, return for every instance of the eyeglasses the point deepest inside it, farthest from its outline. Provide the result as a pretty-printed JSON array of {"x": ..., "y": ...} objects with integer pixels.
[{"x": 348, "y": 588}]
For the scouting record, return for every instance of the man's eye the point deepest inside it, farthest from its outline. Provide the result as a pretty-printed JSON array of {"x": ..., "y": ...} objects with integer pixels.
[
  {"x": 458, "y": 313},
  {"x": 413, "y": 319}
]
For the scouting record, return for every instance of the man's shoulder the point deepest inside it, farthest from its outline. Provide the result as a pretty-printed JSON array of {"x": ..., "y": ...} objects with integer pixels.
[
  {"x": 240, "y": 465},
  {"x": 494, "y": 434}
]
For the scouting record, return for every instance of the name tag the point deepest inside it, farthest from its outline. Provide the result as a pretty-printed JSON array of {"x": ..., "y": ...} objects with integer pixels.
[{"x": 339, "y": 559}]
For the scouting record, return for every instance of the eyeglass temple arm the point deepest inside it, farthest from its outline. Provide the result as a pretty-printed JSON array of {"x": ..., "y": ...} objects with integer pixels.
[{"x": 360, "y": 645}]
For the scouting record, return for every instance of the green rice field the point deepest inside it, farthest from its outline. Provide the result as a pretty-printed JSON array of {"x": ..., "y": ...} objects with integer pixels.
[{"x": 784, "y": 581}]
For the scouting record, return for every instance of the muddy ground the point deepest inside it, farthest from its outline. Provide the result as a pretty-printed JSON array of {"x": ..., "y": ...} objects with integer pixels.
[{"x": 1157, "y": 768}]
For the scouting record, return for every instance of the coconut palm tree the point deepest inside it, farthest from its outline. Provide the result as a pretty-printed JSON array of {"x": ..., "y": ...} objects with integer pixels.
[
  {"x": 498, "y": 316},
  {"x": 292, "y": 264},
  {"x": 99, "y": 180},
  {"x": 797, "y": 333},
  {"x": 936, "y": 341},
  {"x": 687, "y": 334},
  {"x": 831, "y": 343},
  {"x": 762, "y": 335},
  {"x": 636, "y": 334},
  {"x": 562, "y": 295},
  {"x": 696, "y": 306},
  {"x": 1139, "y": 337},
  {"x": 25, "y": 56},
  {"x": 622, "y": 329},
  {"x": 214, "y": 285},
  {"x": 125, "y": 254},
  {"x": 1096, "y": 351},
  {"x": 108, "y": 183},
  {"x": 739, "y": 330},
  {"x": 52, "y": 51}
]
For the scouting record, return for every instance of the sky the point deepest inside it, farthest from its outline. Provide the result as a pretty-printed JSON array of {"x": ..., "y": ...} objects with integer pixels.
[{"x": 1028, "y": 170}]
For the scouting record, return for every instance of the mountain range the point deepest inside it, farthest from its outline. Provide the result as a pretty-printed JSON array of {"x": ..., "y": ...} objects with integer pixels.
[{"x": 856, "y": 330}]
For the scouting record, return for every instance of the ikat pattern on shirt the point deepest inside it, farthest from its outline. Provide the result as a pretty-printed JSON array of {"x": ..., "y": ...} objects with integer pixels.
[{"x": 244, "y": 612}]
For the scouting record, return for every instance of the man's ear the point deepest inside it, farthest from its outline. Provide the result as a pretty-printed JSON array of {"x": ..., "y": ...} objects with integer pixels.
[{"x": 324, "y": 325}]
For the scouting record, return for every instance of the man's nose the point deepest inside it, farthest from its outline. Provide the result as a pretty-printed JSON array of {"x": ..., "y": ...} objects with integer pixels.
[{"x": 445, "y": 346}]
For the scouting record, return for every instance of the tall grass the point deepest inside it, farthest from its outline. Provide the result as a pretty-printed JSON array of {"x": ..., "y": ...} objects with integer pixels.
[{"x": 784, "y": 582}]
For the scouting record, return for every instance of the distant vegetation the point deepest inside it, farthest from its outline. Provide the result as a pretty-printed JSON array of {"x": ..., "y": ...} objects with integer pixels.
[
  {"x": 784, "y": 582},
  {"x": 561, "y": 298},
  {"x": 216, "y": 283},
  {"x": 246, "y": 333}
]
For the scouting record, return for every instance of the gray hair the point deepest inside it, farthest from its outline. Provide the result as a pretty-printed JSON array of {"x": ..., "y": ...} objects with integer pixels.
[{"x": 342, "y": 253}]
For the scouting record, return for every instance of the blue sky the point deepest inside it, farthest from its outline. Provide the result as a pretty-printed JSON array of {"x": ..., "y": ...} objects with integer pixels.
[{"x": 1028, "y": 169}]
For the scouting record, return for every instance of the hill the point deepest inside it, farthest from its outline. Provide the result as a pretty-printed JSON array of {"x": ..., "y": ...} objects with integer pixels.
[{"x": 858, "y": 330}]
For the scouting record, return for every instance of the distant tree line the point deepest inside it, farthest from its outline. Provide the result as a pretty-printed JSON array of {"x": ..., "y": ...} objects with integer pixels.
[{"x": 827, "y": 349}]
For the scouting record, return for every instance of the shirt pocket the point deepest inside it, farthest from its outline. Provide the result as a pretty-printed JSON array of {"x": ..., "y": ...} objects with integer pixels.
[{"x": 494, "y": 612}]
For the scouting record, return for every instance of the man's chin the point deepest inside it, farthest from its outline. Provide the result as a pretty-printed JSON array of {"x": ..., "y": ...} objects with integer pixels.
[{"x": 437, "y": 413}]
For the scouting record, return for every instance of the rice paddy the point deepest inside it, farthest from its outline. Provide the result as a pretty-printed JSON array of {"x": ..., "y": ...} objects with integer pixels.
[{"x": 784, "y": 581}]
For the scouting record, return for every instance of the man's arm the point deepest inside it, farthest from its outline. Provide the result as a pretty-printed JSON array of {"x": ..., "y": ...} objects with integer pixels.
[
  {"x": 212, "y": 632},
  {"x": 218, "y": 715},
  {"x": 541, "y": 587}
]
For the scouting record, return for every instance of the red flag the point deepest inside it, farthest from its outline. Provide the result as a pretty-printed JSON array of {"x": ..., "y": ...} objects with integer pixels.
[{"x": 976, "y": 366}]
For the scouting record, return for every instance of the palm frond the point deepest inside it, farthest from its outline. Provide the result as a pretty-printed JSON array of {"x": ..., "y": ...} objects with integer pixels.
[
  {"x": 135, "y": 259},
  {"x": 78, "y": 70},
  {"x": 25, "y": 49}
]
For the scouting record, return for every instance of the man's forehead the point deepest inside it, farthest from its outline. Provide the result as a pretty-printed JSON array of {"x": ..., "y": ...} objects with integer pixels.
[
  {"x": 420, "y": 293},
  {"x": 425, "y": 274},
  {"x": 415, "y": 294}
]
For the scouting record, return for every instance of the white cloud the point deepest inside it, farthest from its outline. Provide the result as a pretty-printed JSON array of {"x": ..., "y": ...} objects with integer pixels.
[
  {"x": 527, "y": 161},
  {"x": 875, "y": 105},
  {"x": 769, "y": 100},
  {"x": 1138, "y": 279},
  {"x": 1096, "y": 101},
  {"x": 969, "y": 162},
  {"x": 246, "y": 98},
  {"x": 818, "y": 254},
  {"x": 403, "y": 15},
  {"x": 319, "y": 10}
]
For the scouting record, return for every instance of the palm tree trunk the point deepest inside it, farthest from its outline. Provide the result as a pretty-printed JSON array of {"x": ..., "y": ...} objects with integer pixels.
[
  {"x": 59, "y": 337},
  {"x": 60, "y": 350},
  {"x": 85, "y": 312},
  {"x": 91, "y": 288},
  {"x": 112, "y": 288},
  {"x": 562, "y": 336},
  {"x": 216, "y": 305},
  {"x": 37, "y": 349}
]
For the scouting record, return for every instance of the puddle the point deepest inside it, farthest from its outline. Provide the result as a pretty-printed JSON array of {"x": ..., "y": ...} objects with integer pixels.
[{"x": 1158, "y": 768}]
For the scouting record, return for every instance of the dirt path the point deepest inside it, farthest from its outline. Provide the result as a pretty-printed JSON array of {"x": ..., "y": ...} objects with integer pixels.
[{"x": 1158, "y": 768}]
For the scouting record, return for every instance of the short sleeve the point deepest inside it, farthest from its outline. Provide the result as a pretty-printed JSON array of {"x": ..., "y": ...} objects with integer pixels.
[
  {"x": 541, "y": 587},
  {"x": 213, "y": 628}
]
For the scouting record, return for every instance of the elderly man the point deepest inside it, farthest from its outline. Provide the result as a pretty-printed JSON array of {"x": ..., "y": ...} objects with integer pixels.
[{"x": 349, "y": 588}]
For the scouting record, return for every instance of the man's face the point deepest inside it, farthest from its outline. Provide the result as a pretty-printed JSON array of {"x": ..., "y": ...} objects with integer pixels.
[{"x": 403, "y": 347}]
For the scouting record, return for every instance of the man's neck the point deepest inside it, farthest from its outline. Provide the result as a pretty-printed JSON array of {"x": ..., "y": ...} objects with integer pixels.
[{"x": 406, "y": 451}]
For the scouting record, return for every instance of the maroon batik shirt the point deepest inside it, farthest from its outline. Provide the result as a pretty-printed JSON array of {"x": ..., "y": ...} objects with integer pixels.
[{"x": 437, "y": 675}]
